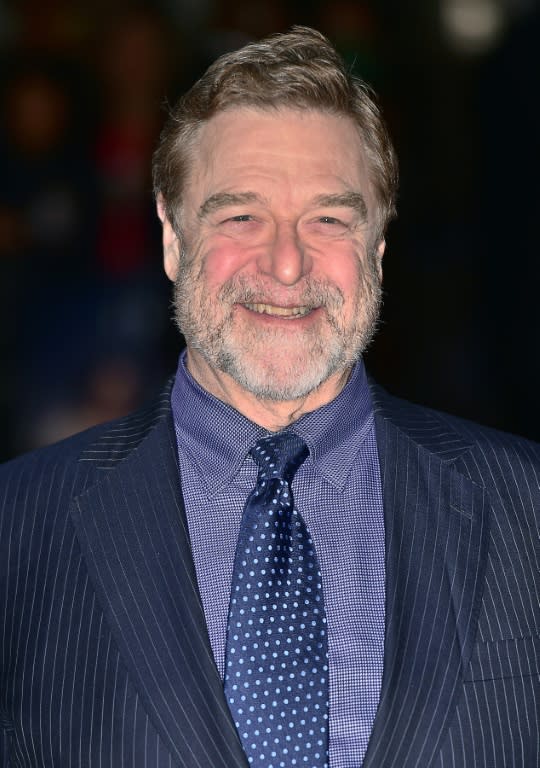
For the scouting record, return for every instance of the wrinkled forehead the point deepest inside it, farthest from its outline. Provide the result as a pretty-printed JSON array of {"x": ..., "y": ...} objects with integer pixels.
[
  {"x": 306, "y": 141},
  {"x": 280, "y": 115}
]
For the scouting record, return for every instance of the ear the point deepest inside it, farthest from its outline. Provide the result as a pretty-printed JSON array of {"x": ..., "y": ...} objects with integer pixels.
[
  {"x": 171, "y": 243},
  {"x": 379, "y": 257}
]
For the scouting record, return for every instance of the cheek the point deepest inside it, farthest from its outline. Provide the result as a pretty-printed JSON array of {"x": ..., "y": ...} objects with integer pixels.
[
  {"x": 343, "y": 268},
  {"x": 223, "y": 261}
]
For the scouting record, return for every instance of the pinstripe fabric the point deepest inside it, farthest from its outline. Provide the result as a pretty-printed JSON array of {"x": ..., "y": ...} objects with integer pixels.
[
  {"x": 105, "y": 659},
  {"x": 104, "y": 654},
  {"x": 462, "y": 676}
]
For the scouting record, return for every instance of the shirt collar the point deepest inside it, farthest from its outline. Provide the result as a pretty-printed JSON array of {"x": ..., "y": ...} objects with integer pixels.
[
  {"x": 336, "y": 432},
  {"x": 217, "y": 437}
]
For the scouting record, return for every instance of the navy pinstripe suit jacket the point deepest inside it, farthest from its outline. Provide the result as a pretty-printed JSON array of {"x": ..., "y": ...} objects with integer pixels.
[{"x": 104, "y": 654}]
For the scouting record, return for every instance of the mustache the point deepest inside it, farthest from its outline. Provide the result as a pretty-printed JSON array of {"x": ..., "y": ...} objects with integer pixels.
[{"x": 310, "y": 293}]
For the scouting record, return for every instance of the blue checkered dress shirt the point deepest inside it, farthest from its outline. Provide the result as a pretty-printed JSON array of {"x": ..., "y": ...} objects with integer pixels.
[{"x": 338, "y": 490}]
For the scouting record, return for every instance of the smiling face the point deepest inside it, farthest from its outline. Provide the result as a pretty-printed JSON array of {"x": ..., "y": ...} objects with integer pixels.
[{"x": 277, "y": 275}]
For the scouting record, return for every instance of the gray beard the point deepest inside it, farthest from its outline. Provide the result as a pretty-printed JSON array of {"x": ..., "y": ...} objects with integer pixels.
[{"x": 285, "y": 380}]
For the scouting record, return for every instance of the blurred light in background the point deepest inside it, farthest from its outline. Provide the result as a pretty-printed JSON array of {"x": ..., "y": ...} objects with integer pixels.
[{"x": 473, "y": 26}]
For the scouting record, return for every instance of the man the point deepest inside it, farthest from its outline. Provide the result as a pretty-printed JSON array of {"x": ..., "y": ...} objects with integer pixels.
[{"x": 394, "y": 619}]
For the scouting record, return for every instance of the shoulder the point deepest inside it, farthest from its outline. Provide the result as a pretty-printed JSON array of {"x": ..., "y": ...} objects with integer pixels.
[
  {"x": 53, "y": 475},
  {"x": 505, "y": 465},
  {"x": 422, "y": 423},
  {"x": 29, "y": 468},
  {"x": 40, "y": 492}
]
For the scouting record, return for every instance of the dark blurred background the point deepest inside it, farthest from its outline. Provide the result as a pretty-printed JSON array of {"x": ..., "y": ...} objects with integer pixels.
[{"x": 85, "y": 329}]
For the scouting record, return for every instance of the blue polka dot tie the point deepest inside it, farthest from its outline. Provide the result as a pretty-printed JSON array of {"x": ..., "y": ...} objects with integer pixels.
[{"x": 276, "y": 676}]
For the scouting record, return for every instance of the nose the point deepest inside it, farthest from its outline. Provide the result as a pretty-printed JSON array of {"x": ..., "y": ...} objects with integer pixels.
[{"x": 286, "y": 259}]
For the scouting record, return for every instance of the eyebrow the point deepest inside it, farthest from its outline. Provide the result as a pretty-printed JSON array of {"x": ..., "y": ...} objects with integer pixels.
[
  {"x": 354, "y": 200},
  {"x": 224, "y": 199},
  {"x": 215, "y": 202}
]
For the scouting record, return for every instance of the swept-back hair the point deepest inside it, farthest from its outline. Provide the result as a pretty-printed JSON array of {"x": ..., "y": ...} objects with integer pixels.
[{"x": 299, "y": 69}]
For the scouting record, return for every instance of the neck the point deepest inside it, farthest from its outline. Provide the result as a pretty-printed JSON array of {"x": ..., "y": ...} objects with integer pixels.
[{"x": 273, "y": 415}]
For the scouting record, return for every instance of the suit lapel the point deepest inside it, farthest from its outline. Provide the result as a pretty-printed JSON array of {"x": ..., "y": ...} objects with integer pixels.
[
  {"x": 133, "y": 533},
  {"x": 436, "y": 544}
]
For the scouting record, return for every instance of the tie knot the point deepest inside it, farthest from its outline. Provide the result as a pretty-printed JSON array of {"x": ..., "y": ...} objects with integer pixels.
[{"x": 279, "y": 455}]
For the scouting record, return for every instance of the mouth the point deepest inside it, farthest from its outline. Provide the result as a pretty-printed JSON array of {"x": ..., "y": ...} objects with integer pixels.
[{"x": 274, "y": 311}]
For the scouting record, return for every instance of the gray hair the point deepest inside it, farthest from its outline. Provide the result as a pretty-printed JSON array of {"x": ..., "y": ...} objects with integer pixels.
[{"x": 299, "y": 69}]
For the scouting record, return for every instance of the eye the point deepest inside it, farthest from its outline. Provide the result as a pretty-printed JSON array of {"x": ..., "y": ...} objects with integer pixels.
[
  {"x": 240, "y": 225},
  {"x": 240, "y": 221},
  {"x": 330, "y": 226},
  {"x": 240, "y": 218}
]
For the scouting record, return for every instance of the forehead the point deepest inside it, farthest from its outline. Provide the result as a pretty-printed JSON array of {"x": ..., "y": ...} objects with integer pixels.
[{"x": 242, "y": 146}]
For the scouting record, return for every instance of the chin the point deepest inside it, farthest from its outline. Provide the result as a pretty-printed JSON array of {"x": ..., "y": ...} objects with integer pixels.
[{"x": 281, "y": 380}]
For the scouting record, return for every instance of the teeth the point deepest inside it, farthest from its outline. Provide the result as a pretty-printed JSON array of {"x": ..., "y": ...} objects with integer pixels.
[{"x": 269, "y": 309}]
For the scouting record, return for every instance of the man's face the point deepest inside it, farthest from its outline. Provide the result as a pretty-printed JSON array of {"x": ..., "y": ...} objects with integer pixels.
[{"x": 278, "y": 282}]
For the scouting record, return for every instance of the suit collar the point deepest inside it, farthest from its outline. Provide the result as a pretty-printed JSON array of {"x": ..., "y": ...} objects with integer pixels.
[
  {"x": 132, "y": 529},
  {"x": 436, "y": 548}
]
